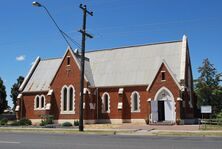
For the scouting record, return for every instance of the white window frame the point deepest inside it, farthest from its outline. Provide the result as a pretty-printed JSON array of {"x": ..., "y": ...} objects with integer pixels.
[
  {"x": 103, "y": 103},
  {"x": 163, "y": 71},
  {"x": 40, "y": 102},
  {"x": 68, "y": 100},
  {"x": 132, "y": 102}
]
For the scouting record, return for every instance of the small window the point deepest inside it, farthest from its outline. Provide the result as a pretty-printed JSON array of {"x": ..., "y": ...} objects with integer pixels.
[
  {"x": 70, "y": 99},
  {"x": 68, "y": 60},
  {"x": 163, "y": 77},
  {"x": 105, "y": 103},
  {"x": 42, "y": 102},
  {"x": 37, "y": 102},
  {"x": 65, "y": 99},
  {"x": 135, "y": 102}
]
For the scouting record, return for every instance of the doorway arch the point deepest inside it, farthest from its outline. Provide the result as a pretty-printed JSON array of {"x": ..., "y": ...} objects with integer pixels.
[{"x": 165, "y": 105}]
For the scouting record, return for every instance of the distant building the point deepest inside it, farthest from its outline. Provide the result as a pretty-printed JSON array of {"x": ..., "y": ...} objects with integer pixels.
[{"x": 130, "y": 84}]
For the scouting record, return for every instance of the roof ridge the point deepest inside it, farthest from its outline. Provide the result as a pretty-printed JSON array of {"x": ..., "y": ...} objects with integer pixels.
[
  {"x": 130, "y": 46},
  {"x": 46, "y": 59}
]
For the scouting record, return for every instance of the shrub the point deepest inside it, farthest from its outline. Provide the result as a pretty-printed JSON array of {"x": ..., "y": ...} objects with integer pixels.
[
  {"x": 66, "y": 124},
  {"x": 24, "y": 122},
  {"x": 76, "y": 123},
  {"x": 46, "y": 119},
  {"x": 219, "y": 115},
  {"x": 3, "y": 121}
]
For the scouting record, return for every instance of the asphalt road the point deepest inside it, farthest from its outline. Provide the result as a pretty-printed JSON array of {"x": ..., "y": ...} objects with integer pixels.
[{"x": 77, "y": 141}]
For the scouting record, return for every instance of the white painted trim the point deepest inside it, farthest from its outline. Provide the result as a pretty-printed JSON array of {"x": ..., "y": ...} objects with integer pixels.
[
  {"x": 86, "y": 90},
  {"x": 50, "y": 92},
  {"x": 183, "y": 58},
  {"x": 172, "y": 98},
  {"x": 103, "y": 103},
  {"x": 121, "y": 90},
  {"x": 19, "y": 96},
  {"x": 149, "y": 100},
  {"x": 40, "y": 102},
  {"x": 17, "y": 108},
  {"x": 179, "y": 99},
  {"x": 132, "y": 103},
  {"x": 35, "y": 64},
  {"x": 160, "y": 90}
]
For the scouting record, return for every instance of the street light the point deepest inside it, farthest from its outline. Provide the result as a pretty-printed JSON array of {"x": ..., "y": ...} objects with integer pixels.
[{"x": 37, "y": 4}]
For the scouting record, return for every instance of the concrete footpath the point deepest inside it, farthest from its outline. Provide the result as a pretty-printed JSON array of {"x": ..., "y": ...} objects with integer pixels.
[{"x": 123, "y": 129}]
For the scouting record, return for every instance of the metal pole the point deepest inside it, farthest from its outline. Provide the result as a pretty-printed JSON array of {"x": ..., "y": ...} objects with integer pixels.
[{"x": 84, "y": 34}]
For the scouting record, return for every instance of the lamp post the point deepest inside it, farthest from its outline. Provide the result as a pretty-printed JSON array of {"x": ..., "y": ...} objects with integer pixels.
[{"x": 37, "y": 4}]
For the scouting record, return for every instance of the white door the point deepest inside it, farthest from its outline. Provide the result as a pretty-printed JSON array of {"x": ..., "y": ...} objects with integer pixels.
[
  {"x": 154, "y": 111},
  {"x": 169, "y": 108}
]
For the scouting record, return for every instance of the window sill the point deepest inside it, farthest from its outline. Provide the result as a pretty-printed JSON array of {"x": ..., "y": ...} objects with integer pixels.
[
  {"x": 67, "y": 112},
  {"x": 40, "y": 109},
  {"x": 135, "y": 111},
  {"x": 163, "y": 80}
]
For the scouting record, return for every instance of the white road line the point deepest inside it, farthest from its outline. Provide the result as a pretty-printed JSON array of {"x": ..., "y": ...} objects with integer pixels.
[{"x": 8, "y": 142}]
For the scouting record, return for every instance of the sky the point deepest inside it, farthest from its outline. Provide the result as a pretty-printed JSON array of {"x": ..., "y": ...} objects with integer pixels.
[{"x": 27, "y": 32}]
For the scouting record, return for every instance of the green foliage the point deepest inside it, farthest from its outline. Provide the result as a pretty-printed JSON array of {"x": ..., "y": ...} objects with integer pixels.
[
  {"x": 3, "y": 121},
  {"x": 46, "y": 119},
  {"x": 219, "y": 115},
  {"x": 66, "y": 124},
  {"x": 3, "y": 95},
  {"x": 24, "y": 122},
  {"x": 76, "y": 123},
  {"x": 207, "y": 87},
  {"x": 15, "y": 90}
]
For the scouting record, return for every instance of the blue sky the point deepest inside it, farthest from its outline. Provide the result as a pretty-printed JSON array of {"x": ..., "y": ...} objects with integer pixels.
[{"x": 27, "y": 32}]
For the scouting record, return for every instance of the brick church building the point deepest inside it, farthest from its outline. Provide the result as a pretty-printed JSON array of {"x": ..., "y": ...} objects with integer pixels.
[{"x": 135, "y": 84}]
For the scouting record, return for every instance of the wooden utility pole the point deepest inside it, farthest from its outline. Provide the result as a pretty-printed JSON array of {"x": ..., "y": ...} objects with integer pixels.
[{"x": 84, "y": 34}]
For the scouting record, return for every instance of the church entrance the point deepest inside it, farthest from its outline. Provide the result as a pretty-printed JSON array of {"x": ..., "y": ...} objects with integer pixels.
[
  {"x": 161, "y": 111},
  {"x": 163, "y": 107}
]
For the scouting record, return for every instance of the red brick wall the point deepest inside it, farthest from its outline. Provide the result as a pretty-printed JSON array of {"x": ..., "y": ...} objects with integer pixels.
[
  {"x": 169, "y": 83},
  {"x": 28, "y": 106},
  {"x": 125, "y": 113},
  {"x": 67, "y": 75}
]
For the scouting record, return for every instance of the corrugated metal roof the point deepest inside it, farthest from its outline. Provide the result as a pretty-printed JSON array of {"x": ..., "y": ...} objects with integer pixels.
[
  {"x": 134, "y": 65},
  {"x": 43, "y": 75}
]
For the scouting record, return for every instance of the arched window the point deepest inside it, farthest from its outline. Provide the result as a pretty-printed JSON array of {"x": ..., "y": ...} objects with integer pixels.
[
  {"x": 70, "y": 98},
  {"x": 39, "y": 102},
  {"x": 42, "y": 101},
  {"x": 135, "y": 102},
  {"x": 67, "y": 100},
  {"x": 105, "y": 103}
]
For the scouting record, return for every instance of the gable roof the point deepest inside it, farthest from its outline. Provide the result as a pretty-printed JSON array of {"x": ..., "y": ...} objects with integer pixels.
[
  {"x": 125, "y": 66},
  {"x": 163, "y": 62},
  {"x": 134, "y": 65},
  {"x": 42, "y": 75}
]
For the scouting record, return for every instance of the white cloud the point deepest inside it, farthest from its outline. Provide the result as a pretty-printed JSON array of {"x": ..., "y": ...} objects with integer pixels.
[{"x": 20, "y": 58}]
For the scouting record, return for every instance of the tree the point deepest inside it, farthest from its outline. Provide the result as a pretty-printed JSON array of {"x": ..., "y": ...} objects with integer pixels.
[
  {"x": 15, "y": 90},
  {"x": 207, "y": 87},
  {"x": 3, "y": 95}
]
